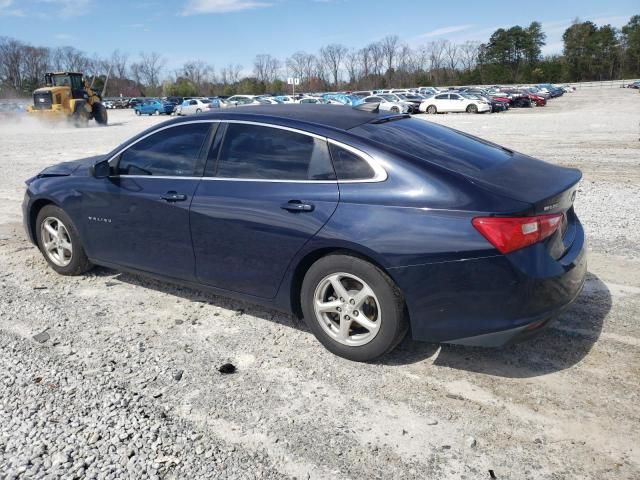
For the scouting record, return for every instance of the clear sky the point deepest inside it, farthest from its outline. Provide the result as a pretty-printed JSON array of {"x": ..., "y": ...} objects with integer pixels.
[{"x": 234, "y": 31}]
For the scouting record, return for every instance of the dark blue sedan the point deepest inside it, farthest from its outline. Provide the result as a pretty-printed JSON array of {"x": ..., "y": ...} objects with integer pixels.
[{"x": 368, "y": 225}]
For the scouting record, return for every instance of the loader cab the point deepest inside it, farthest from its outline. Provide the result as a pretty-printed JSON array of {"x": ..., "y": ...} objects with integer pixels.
[{"x": 67, "y": 79}]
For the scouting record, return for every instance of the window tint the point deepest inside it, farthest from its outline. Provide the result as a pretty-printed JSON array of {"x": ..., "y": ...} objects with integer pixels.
[
  {"x": 170, "y": 152},
  {"x": 434, "y": 143},
  {"x": 253, "y": 151},
  {"x": 454, "y": 97},
  {"x": 350, "y": 166},
  {"x": 442, "y": 97}
]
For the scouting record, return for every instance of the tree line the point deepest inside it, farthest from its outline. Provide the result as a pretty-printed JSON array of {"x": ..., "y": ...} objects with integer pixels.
[{"x": 510, "y": 55}]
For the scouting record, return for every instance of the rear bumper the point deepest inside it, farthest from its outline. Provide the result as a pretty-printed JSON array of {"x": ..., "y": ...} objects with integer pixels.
[{"x": 493, "y": 300}]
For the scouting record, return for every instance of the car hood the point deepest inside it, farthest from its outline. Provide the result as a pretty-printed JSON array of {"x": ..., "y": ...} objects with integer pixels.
[{"x": 70, "y": 168}]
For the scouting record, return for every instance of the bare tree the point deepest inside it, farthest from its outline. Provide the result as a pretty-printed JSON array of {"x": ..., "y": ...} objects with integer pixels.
[
  {"x": 451, "y": 52},
  {"x": 197, "y": 72},
  {"x": 352, "y": 62},
  {"x": 436, "y": 58},
  {"x": 136, "y": 72},
  {"x": 469, "y": 55},
  {"x": 230, "y": 74},
  {"x": 119, "y": 63},
  {"x": 35, "y": 63},
  {"x": 151, "y": 65},
  {"x": 389, "y": 50},
  {"x": 376, "y": 56},
  {"x": 332, "y": 56},
  {"x": 10, "y": 61},
  {"x": 69, "y": 59},
  {"x": 265, "y": 68}
]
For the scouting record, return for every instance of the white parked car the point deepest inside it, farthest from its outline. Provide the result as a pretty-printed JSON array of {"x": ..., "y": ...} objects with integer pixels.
[
  {"x": 363, "y": 93},
  {"x": 317, "y": 100},
  {"x": 193, "y": 106},
  {"x": 387, "y": 104},
  {"x": 453, "y": 102}
]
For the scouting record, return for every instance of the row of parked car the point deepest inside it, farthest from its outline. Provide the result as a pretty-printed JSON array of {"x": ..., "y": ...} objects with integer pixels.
[{"x": 414, "y": 100}]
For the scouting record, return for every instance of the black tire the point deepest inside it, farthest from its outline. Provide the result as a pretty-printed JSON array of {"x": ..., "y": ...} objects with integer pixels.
[
  {"x": 80, "y": 118},
  {"x": 472, "y": 108},
  {"x": 432, "y": 110},
  {"x": 138, "y": 112},
  {"x": 198, "y": 110},
  {"x": 395, "y": 109},
  {"x": 79, "y": 263},
  {"x": 100, "y": 113},
  {"x": 393, "y": 319},
  {"x": 157, "y": 112}
]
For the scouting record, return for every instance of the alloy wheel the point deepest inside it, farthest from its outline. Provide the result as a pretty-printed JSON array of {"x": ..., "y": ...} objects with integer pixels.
[
  {"x": 56, "y": 241},
  {"x": 347, "y": 309}
]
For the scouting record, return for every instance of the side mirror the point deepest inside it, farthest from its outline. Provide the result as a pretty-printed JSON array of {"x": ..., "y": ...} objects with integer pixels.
[{"x": 100, "y": 170}]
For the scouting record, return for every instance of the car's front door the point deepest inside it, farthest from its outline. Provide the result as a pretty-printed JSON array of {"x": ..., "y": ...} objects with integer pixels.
[
  {"x": 265, "y": 193},
  {"x": 139, "y": 217},
  {"x": 457, "y": 102}
]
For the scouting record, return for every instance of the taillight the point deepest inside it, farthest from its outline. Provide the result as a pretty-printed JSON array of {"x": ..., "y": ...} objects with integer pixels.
[{"x": 513, "y": 233}]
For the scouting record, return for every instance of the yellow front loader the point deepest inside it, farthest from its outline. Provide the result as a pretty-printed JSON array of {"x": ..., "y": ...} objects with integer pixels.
[{"x": 67, "y": 96}]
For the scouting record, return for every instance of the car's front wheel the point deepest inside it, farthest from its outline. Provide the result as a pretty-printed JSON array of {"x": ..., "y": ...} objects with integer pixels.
[
  {"x": 59, "y": 242},
  {"x": 352, "y": 307},
  {"x": 432, "y": 110}
]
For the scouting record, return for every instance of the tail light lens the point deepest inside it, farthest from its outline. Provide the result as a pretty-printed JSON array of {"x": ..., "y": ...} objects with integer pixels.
[{"x": 508, "y": 234}]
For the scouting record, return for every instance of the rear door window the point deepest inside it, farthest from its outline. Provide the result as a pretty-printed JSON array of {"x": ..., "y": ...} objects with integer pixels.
[{"x": 267, "y": 153}]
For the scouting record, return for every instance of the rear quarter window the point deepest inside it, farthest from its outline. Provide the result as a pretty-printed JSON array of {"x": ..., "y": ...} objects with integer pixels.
[
  {"x": 440, "y": 145},
  {"x": 349, "y": 166}
]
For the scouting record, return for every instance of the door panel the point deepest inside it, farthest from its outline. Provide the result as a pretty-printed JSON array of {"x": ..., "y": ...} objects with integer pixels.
[
  {"x": 244, "y": 239},
  {"x": 129, "y": 224}
]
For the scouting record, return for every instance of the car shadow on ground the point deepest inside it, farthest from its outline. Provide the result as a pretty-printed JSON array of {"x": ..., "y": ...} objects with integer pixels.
[
  {"x": 201, "y": 296},
  {"x": 566, "y": 341},
  {"x": 563, "y": 344}
]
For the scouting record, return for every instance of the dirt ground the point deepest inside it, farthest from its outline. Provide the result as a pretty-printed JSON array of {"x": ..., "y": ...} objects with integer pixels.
[{"x": 562, "y": 406}]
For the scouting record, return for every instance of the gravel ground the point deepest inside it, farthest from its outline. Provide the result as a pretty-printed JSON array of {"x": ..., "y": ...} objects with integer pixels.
[{"x": 115, "y": 376}]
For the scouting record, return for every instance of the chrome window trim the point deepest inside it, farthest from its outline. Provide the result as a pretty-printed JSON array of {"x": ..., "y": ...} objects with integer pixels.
[{"x": 380, "y": 174}]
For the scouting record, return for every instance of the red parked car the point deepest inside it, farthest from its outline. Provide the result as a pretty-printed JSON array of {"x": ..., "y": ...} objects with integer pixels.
[{"x": 537, "y": 99}]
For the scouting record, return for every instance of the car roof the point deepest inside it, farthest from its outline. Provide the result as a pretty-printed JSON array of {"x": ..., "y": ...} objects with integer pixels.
[{"x": 334, "y": 116}]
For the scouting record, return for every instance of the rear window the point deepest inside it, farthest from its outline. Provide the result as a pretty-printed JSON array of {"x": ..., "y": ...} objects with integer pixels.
[{"x": 434, "y": 143}]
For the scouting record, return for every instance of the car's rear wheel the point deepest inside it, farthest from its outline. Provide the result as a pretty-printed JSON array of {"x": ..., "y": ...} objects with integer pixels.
[
  {"x": 59, "y": 242},
  {"x": 198, "y": 111},
  {"x": 431, "y": 109},
  {"x": 395, "y": 109},
  {"x": 472, "y": 108},
  {"x": 138, "y": 112},
  {"x": 352, "y": 307}
]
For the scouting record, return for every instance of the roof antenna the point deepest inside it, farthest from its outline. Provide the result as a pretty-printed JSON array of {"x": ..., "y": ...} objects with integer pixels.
[{"x": 368, "y": 107}]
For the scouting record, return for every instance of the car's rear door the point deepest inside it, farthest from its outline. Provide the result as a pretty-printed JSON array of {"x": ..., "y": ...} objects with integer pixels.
[
  {"x": 139, "y": 217},
  {"x": 266, "y": 191}
]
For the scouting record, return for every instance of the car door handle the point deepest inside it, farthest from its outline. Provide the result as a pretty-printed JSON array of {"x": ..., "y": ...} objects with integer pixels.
[
  {"x": 173, "y": 197},
  {"x": 297, "y": 206}
]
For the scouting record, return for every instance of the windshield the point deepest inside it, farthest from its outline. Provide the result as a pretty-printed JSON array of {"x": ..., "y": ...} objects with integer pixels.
[
  {"x": 443, "y": 146},
  {"x": 389, "y": 97}
]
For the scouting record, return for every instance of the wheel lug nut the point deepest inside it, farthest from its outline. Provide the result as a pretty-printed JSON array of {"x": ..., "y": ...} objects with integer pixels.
[
  {"x": 339, "y": 309},
  {"x": 341, "y": 299},
  {"x": 352, "y": 301},
  {"x": 356, "y": 313},
  {"x": 346, "y": 317}
]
